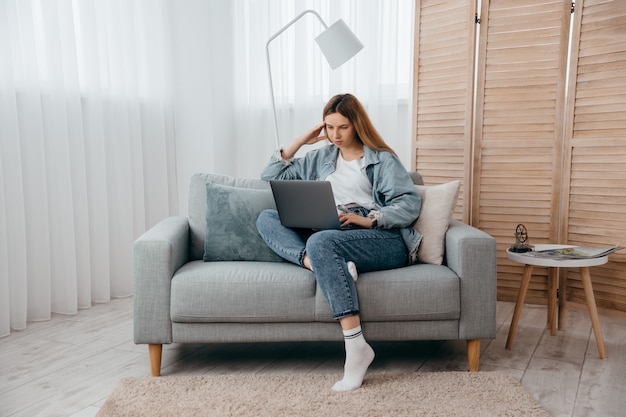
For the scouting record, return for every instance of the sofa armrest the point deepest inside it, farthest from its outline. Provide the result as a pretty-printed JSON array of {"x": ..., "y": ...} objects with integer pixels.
[
  {"x": 471, "y": 254},
  {"x": 157, "y": 254}
]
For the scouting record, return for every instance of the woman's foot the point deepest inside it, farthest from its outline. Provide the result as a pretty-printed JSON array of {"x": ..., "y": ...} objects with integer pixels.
[
  {"x": 359, "y": 356},
  {"x": 307, "y": 262},
  {"x": 353, "y": 271}
]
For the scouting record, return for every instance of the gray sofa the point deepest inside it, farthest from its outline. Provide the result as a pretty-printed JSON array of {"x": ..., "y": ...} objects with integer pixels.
[{"x": 207, "y": 278}]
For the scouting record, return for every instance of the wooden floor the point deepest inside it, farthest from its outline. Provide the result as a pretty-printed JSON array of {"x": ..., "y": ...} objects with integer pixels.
[{"x": 68, "y": 366}]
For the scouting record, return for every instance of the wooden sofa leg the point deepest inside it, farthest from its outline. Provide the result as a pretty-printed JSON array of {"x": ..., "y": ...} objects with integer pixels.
[
  {"x": 155, "y": 359},
  {"x": 473, "y": 354}
]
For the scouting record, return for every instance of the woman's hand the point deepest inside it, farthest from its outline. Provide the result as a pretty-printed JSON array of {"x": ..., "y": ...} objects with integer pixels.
[
  {"x": 309, "y": 138},
  {"x": 355, "y": 219},
  {"x": 313, "y": 136}
]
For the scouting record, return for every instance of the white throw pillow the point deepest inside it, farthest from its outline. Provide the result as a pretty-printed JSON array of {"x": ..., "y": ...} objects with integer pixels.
[{"x": 438, "y": 203}]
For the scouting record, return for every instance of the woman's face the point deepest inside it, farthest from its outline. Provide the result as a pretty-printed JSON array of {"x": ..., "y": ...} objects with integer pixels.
[{"x": 340, "y": 131}]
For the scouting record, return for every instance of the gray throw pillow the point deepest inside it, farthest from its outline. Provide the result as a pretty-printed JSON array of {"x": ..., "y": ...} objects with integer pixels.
[{"x": 231, "y": 233}]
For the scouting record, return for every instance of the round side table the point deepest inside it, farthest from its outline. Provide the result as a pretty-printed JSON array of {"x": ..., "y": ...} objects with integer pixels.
[{"x": 553, "y": 264}]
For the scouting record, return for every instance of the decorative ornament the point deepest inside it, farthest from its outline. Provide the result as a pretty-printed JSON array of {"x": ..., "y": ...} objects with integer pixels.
[{"x": 521, "y": 240}]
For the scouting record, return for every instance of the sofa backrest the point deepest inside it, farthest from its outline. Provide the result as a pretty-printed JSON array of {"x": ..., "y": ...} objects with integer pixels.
[
  {"x": 198, "y": 205},
  {"x": 416, "y": 177}
]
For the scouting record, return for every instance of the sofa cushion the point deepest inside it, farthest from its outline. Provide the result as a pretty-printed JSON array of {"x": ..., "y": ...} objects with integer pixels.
[
  {"x": 438, "y": 203},
  {"x": 231, "y": 233},
  {"x": 416, "y": 292},
  {"x": 198, "y": 205},
  {"x": 259, "y": 292}
]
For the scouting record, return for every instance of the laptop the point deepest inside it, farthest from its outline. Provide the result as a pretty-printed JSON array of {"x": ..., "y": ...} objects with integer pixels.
[{"x": 305, "y": 204}]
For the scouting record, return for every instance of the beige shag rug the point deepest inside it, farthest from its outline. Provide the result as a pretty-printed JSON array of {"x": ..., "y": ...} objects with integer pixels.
[{"x": 446, "y": 394}]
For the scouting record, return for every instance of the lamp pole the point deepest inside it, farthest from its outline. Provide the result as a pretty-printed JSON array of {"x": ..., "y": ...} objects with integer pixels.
[{"x": 269, "y": 68}]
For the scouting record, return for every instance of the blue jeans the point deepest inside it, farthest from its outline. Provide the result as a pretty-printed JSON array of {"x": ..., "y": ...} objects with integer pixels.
[{"x": 330, "y": 250}]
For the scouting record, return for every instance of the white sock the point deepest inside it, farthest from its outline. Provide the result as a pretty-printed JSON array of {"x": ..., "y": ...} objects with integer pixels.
[
  {"x": 359, "y": 356},
  {"x": 352, "y": 270}
]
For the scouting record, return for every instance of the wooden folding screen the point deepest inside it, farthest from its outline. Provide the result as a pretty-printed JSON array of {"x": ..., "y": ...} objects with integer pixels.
[
  {"x": 519, "y": 127},
  {"x": 593, "y": 203},
  {"x": 527, "y": 152},
  {"x": 445, "y": 35}
]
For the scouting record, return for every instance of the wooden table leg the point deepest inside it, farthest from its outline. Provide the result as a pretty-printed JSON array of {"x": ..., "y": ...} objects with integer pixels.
[
  {"x": 553, "y": 274},
  {"x": 562, "y": 299},
  {"x": 593, "y": 312},
  {"x": 528, "y": 271}
]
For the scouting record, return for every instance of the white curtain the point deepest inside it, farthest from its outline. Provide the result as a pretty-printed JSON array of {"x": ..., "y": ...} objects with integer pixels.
[
  {"x": 86, "y": 149},
  {"x": 108, "y": 107}
]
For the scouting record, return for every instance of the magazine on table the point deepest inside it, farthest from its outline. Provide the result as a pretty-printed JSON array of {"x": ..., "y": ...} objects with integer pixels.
[{"x": 575, "y": 252}]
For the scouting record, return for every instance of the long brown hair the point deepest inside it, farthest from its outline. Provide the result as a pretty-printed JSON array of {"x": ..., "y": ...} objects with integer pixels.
[{"x": 351, "y": 108}]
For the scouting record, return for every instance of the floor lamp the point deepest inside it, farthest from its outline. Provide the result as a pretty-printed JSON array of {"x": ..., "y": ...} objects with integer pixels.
[{"x": 337, "y": 42}]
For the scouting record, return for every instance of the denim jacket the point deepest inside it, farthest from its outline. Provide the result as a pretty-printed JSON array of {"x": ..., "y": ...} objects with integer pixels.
[{"x": 397, "y": 201}]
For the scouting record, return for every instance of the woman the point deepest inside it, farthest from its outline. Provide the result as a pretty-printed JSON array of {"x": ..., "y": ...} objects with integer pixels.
[{"x": 380, "y": 205}]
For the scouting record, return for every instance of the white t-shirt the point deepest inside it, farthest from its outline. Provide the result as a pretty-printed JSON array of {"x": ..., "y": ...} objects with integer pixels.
[{"x": 350, "y": 183}]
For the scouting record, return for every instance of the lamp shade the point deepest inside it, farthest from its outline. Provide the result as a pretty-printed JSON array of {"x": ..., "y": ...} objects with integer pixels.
[{"x": 338, "y": 44}]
